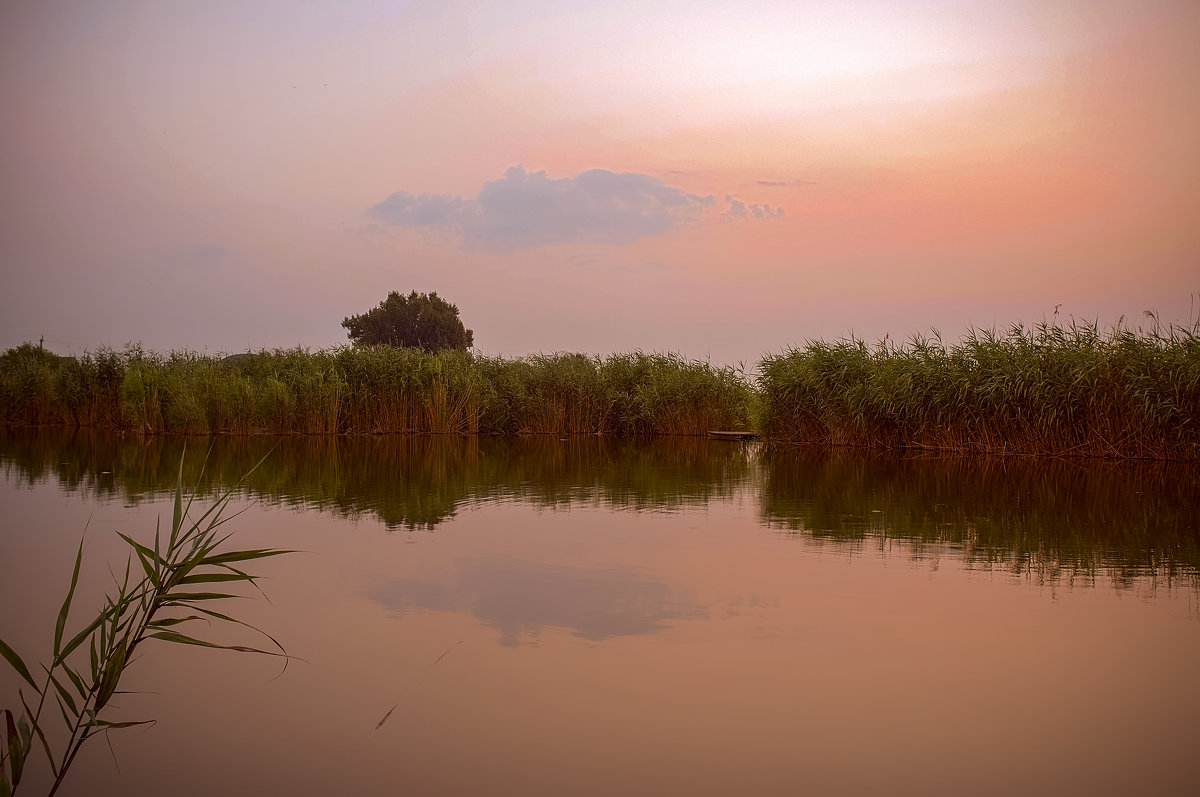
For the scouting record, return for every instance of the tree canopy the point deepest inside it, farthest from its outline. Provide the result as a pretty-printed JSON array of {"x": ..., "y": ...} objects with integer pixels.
[{"x": 418, "y": 320}]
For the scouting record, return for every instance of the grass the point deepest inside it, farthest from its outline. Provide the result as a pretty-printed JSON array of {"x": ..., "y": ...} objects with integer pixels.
[
  {"x": 85, "y": 669},
  {"x": 371, "y": 390},
  {"x": 1051, "y": 389}
]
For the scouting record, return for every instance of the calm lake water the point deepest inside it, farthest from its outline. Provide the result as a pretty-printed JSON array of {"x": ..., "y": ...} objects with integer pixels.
[{"x": 661, "y": 617}]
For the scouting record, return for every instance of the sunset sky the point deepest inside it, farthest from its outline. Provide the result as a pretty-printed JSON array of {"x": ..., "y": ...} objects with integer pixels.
[{"x": 717, "y": 179}]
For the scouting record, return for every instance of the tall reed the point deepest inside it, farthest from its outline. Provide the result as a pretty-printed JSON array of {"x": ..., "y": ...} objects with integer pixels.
[
  {"x": 621, "y": 394},
  {"x": 1050, "y": 389},
  {"x": 85, "y": 670},
  {"x": 371, "y": 390}
]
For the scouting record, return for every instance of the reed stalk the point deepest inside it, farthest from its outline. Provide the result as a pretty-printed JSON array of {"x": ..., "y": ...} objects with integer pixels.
[{"x": 85, "y": 671}]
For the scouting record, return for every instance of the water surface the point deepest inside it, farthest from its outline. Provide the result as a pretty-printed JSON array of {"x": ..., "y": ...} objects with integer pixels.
[{"x": 667, "y": 616}]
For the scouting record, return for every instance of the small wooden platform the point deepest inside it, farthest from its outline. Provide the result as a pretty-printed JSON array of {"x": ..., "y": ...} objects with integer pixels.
[{"x": 731, "y": 435}]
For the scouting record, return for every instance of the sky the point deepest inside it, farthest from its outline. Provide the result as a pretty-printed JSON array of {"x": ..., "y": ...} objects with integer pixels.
[{"x": 722, "y": 180}]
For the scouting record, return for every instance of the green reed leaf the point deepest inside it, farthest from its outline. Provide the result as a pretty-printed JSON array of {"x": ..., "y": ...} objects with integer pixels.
[
  {"x": 177, "y": 515},
  {"x": 182, "y": 639},
  {"x": 146, "y": 557},
  {"x": 24, "y": 730},
  {"x": 177, "y": 598},
  {"x": 242, "y": 556},
  {"x": 113, "y": 669},
  {"x": 170, "y": 621},
  {"x": 37, "y": 729},
  {"x": 105, "y": 724},
  {"x": 205, "y": 578},
  {"x": 61, "y": 622},
  {"x": 78, "y": 639},
  {"x": 17, "y": 748},
  {"x": 76, "y": 680},
  {"x": 68, "y": 717},
  {"x": 243, "y": 623},
  {"x": 151, "y": 573},
  {"x": 65, "y": 694},
  {"x": 14, "y": 660}
]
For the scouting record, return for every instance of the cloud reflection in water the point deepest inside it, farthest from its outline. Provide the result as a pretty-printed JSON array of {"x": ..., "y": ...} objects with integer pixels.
[{"x": 520, "y": 598}]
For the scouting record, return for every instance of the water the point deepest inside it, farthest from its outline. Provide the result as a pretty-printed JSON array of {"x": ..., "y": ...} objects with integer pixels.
[{"x": 638, "y": 617}]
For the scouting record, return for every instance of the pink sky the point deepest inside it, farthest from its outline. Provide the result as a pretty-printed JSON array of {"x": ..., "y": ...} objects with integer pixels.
[{"x": 221, "y": 176}]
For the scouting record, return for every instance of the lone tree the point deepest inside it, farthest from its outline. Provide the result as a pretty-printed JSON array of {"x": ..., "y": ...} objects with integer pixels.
[{"x": 418, "y": 320}]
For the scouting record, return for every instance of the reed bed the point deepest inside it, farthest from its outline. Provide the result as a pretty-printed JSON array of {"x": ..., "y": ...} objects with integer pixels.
[
  {"x": 622, "y": 394},
  {"x": 1050, "y": 389},
  {"x": 371, "y": 390}
]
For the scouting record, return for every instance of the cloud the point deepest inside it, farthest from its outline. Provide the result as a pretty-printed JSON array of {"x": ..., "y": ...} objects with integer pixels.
[
  {"x": 522, "y": 209},
  {"x": 579, "y": 261},
  {"x": 740, "y": 210},
  {"x": 778, "y": 183},
  {"x": 405, "y": 210}
]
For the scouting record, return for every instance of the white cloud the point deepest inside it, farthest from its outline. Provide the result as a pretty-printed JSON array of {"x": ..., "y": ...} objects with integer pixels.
[
  {"x": 523, "y": 209},
  {"x": 740, "y": 210}
]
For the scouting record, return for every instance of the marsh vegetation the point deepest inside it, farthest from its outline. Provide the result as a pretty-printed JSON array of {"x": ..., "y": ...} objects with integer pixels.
[
  {"x": 1051, "y": 389},
  {"x": 1068, "y": 390},
  {"x": 371, "y": 390}
]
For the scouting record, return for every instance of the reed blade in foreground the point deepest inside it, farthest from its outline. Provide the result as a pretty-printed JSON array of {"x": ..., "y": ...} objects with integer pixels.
[{"x": 139, "y": 610}]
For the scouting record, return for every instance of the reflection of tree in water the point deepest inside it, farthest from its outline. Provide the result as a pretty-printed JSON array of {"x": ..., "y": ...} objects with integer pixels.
[
  {"x": 1051, "y": 519},
  {"x": 413, "y": 482}
]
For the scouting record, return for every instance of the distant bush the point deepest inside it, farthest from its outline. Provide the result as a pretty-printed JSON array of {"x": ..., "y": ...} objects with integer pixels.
[{"x": 418, "y": 321}]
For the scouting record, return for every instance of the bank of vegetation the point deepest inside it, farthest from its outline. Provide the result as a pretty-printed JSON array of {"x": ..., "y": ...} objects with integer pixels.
[
  {"x": 371, "y": 390},
  {"x": 1050, "y": 389},
  {"x": 1068, "y": 390}
]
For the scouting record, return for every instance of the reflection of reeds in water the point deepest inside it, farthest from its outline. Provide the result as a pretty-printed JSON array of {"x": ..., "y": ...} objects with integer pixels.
[
  {"x": 1049, "y": 519},
  {"x": 1040, "y": 516},
  {"x": 1068, "y": 390},
  {"x": 408, "y": 481},
  {"x": 373, "y": 390}
]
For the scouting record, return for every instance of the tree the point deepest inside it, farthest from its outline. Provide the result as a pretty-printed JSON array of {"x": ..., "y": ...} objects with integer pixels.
[{"x": 418, "y": 320}]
